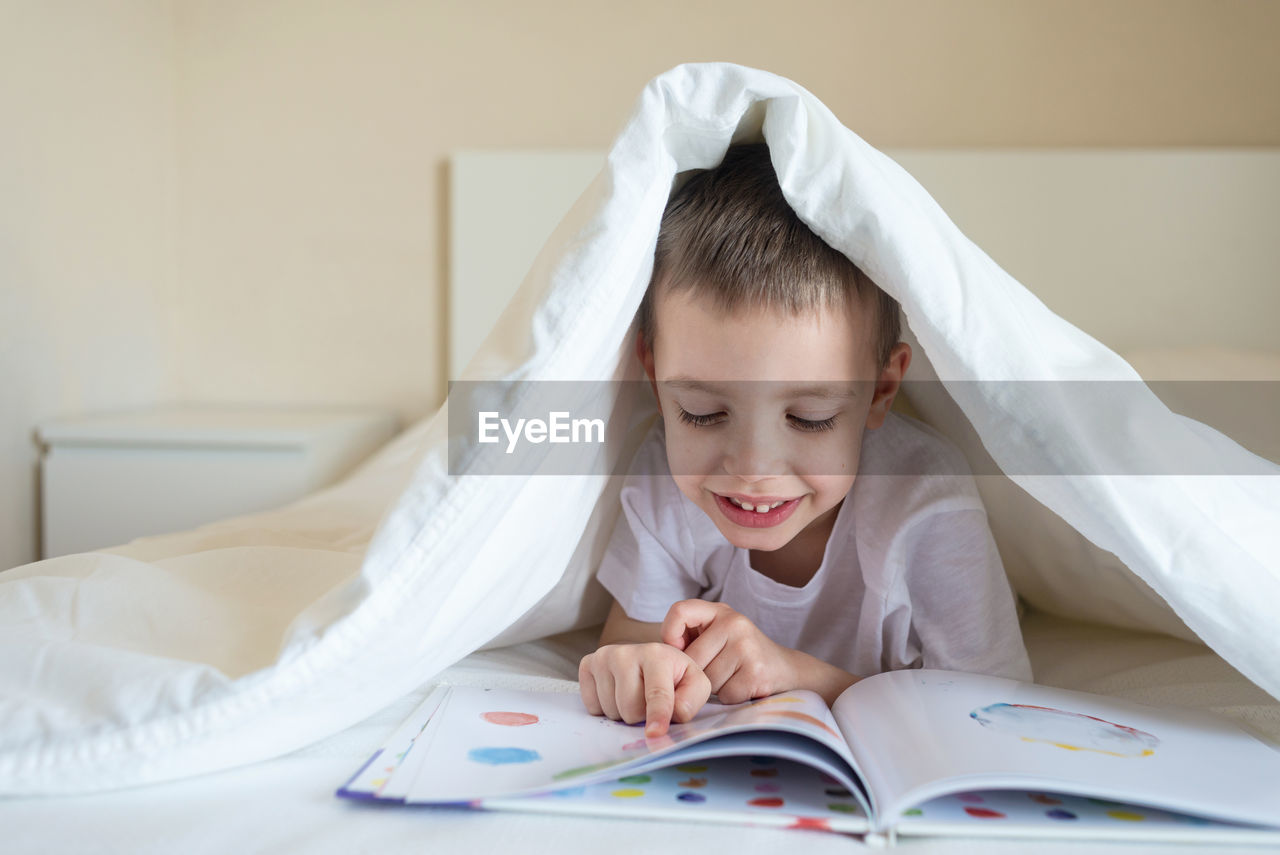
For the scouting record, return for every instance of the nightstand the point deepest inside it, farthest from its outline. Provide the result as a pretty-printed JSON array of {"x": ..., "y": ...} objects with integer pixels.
[{"x": 111, "y": 478}]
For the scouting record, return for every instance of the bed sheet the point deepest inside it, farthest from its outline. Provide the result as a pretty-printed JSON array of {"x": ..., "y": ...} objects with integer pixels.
[{"x": 287, "y": 805}]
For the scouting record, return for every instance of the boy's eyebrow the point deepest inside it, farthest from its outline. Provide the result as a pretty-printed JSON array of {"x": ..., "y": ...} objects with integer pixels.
[{"x": 807, "y": 391}]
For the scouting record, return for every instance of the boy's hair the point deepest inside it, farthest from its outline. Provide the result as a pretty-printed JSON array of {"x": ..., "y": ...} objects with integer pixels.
[{"x": 729, "y": 234}]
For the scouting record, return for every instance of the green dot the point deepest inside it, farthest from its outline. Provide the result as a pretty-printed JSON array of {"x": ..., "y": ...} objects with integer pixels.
[
  {"x": 635, "y": 779},
  {"x": 913, "y": 812},
  {"x": 839, "y": 808}
]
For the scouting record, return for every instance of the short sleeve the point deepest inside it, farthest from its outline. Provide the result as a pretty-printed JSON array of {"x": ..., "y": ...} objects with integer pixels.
[
  {"x": 962, "y": 611},
  {"x": 649, "y": 561}
]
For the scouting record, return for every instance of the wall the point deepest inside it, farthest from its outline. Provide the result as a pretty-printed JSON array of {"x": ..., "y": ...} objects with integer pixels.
[
  {"x": 243, "y": 200},
  {"x": 86, "y": 212}
]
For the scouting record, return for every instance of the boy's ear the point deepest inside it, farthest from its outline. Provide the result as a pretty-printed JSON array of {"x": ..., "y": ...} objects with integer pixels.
[
  {"x": 645, "y": 355},
  {"x": 887, "y": 385}
]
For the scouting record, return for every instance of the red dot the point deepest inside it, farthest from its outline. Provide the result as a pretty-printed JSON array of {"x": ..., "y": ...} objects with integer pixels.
[
  {"x": 984, "y": 813},
  {"x": 510, "y": 719},
  {"x": 815, "y": 822},
  {"x": 767, "y": 802}
]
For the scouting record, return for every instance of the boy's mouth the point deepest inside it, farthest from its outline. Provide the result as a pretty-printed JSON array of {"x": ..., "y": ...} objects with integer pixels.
[{"x": 765, "y": 511}]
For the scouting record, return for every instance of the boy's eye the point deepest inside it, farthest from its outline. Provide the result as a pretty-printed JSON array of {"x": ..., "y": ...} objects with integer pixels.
[
  {"x": 698, "y": 421},
  {"x": 713, "y": 418},
  {"x": 811, "y": 424}
]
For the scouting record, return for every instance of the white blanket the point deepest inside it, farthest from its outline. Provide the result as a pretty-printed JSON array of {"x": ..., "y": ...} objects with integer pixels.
[{"x": 215, "y": 649}]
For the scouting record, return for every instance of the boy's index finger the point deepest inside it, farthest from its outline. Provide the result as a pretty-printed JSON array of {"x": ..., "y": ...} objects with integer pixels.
[{"x": 659, "y": 695}]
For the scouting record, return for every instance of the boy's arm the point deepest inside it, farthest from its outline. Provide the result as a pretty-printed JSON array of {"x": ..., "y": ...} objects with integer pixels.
[
  {"x": 620, "y": 629},
  {"x": 818, "y": 676}
]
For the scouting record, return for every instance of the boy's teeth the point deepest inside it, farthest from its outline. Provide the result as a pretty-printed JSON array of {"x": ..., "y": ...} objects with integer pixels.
[{"x": 760, "y": 509}]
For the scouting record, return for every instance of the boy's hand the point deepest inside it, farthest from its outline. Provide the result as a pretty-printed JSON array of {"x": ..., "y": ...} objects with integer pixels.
[
  {"x": 740, "y": 661},
  {"x": 651, "y": 682}
]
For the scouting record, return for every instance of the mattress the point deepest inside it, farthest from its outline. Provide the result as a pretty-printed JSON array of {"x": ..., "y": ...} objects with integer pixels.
[{"x": 287, "y": 805}]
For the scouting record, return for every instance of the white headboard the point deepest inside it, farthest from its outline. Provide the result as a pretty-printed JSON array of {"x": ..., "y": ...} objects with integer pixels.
[{"x": 1140, "y": 248}]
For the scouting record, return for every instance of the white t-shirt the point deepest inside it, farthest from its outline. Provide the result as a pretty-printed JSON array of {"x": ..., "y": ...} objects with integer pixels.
[{"x": 910, "y": 577}]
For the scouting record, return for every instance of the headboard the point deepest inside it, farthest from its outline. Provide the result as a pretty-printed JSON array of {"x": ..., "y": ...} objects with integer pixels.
[{"x": 1141, "y": 248}]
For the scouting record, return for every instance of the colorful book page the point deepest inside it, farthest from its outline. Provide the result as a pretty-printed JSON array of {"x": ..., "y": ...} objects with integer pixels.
[
  {"x": 507, "y": 743},
  {"x": 920, "y": 734},
  {"x": 753, "y": 790},
  {"x": 1010, "y": 813}
]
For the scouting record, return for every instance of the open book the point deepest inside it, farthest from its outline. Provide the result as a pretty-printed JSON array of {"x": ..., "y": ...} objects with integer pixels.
[{"x": 902, "y": 753}]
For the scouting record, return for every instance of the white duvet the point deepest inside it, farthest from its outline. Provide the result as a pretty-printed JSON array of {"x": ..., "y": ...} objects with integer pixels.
[{"x": 242, "y": 641}]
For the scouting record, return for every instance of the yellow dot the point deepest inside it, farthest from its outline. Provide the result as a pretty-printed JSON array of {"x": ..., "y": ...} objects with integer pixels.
[
  {"x": 1126, "y": 815},
  {"x": 627, "y": 794}
]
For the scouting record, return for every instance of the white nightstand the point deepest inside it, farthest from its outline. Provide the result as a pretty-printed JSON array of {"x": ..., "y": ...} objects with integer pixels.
[{"x": 111, "y": 478}]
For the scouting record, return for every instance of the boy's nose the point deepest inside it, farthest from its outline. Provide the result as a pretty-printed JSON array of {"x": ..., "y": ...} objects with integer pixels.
[{"x": 753, "y": 456}]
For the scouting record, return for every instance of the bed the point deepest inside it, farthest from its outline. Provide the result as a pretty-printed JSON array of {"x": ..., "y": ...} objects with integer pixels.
[{"x": 1113, "y": 637}]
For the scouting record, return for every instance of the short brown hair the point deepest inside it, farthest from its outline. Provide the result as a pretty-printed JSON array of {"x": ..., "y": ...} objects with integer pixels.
[{"x": 728, "y": 233}]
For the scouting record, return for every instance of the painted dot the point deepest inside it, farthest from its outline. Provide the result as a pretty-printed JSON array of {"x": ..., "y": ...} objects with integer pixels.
[
  {"x": 627, "y": 793},
  {"x": 1041, "y": 798},
  {"x": 691, "y": 797},
  {"x": 764, "y": 773},
  {"x": 767, "y": 801},
  {"x": 815, "y": 823},
  {"x": 581, "y": 770},
  {"x": 839, "y": 808},
  {"x": 569, "y": 792},
  {"x": 510, "y": 719},
  {"x": 971, "y": 798},
  {"x": 692, "y": 769},
  {"x": 1126, "y": 815},
  {"x": 1059, "y": 813},
  {"x": 838, "y": 792},
  {"x": 984, "y": 813},
  {"x": 502, "y": 756},
  {"x": 913, "y": 812},
  {"x": 635, "y": 779},
  {"x": 767, "y": 788},
  {"x": 693, "y": 782}
]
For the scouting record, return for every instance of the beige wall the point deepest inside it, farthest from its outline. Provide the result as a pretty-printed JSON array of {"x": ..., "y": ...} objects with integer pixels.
[
  {"x": 243, "y": 200},
  {"x": 86, "y": 236}
]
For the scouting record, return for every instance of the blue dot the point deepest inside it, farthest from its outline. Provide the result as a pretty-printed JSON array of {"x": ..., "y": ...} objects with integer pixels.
[
  {"x": 691, "y": 797},
  {"x": 501, "y": 756},
  {"x": 1058, "y": 813}
]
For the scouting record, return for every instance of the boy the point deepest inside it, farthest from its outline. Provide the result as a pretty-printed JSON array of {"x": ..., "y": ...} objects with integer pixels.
[{"x": 759, "y": 551}]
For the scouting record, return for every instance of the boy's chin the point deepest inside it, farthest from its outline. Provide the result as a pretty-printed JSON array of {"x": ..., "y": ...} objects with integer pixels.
[{"x": 761, "y": 540}]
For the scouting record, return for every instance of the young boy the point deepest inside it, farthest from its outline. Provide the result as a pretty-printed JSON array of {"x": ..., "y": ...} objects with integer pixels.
[{"x": 781, "y": 528}]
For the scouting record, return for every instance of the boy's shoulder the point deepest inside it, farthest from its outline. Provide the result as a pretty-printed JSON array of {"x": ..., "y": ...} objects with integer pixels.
[
  {"x": 923, "y": 473},
  {"x": 907, "y": 446}
]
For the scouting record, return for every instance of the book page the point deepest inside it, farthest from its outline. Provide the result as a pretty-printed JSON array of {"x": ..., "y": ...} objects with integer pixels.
[
  {"x": 501, "y": 742},
  {"x": 921, "y": 734},
  {"x": 738, "y": 789}
]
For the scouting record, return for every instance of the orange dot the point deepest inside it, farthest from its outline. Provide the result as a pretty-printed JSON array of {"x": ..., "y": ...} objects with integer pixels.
[{"x": 510, "y": 719}]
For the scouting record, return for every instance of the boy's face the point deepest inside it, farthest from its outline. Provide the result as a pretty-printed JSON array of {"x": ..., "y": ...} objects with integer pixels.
[{"x": 739, "y": 397}]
